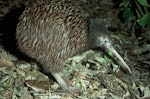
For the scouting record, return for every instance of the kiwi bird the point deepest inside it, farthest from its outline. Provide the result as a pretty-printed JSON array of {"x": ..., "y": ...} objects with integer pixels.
[{"x": 53, "y": 31}]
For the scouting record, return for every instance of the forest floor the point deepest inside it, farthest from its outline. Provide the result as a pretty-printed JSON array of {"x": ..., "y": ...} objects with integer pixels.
[{"x": 96, "y": 73}]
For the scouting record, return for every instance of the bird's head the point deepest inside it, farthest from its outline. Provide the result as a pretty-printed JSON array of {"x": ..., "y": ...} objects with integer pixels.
[{"x": 98, "y": 36}]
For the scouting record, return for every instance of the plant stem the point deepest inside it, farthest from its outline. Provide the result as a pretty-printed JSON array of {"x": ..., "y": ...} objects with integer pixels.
[{"x": 139, "y": 8}]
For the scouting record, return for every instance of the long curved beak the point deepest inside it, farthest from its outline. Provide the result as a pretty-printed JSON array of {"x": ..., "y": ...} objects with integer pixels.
[{"x": 125, "y": 66}]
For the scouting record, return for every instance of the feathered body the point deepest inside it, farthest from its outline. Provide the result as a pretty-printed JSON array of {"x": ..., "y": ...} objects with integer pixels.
[{"x": 51, "y": 32}]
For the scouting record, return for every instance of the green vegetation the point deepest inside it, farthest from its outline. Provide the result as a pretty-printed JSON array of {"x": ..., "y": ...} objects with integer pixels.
[{"x": 137, "y": 11}]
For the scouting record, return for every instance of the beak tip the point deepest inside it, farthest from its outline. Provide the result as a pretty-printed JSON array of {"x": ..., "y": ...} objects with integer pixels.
[{"x": 111, "y": 48}]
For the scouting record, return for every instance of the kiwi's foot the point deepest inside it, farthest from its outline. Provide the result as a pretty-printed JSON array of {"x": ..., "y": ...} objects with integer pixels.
[{"x": 63, "y": 84}]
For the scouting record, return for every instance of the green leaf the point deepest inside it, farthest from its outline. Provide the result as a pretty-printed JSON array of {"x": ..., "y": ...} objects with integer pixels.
[
  {"x": 144, "y": 20},
  {"x": 124, "y": 38},
  {"x": 124, "y": 3},
  {"x": 143, "y": 2},
  {"x": 101, "y": 60},
  {"x": 110, "y": 53},
  {"x": 115, "y": 68},
  {"x": 128, "y": 14},
  {"x": 121, "y": 36}
]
